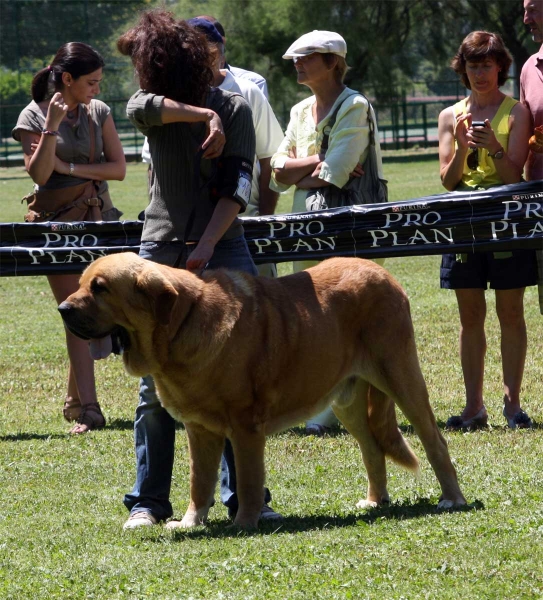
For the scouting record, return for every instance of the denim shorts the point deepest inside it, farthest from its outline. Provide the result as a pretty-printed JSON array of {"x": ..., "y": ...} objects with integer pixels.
[{"x": 503, "y": 270}]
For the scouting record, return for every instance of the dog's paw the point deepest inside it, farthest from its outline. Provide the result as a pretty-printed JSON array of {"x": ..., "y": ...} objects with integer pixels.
[
  {"x": 445, "y": 504},
  {"x": 246, "y": 523},
  {"x": 191, "y": 519},
  {"x": 366, "y": 504}
]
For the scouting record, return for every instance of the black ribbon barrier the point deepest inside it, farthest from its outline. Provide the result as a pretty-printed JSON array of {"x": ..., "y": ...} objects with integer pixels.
[{"x": 502, "y": 218}]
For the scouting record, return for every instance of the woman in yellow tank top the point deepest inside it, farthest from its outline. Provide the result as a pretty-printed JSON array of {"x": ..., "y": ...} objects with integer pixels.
[{"x": 483, "y": 141}]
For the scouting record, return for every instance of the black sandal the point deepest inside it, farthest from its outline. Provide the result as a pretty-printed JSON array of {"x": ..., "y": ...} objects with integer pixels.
[
  {"x": 91, "y": 416},
  {"x": 478, "y": 421}
]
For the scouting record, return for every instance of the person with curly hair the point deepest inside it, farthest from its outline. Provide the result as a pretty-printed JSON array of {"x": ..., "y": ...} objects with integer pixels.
[{"x": 191, "y": 220}]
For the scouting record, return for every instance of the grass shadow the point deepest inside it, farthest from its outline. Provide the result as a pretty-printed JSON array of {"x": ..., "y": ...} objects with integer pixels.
[
  {"x": 498, "y": 427},
  {"x": 27, "y": 437},
  {"x": 128, "y": 424},
  {"x": 395, "y": 512}
]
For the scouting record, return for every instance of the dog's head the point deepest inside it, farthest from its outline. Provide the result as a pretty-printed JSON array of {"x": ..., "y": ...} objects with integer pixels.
[{"x": 121, "y": 295}]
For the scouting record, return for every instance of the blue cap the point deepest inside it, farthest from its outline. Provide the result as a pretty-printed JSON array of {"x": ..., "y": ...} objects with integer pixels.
[{"x": 207, "y": 28}]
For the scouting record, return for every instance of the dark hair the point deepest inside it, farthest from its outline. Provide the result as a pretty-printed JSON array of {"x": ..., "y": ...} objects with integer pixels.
[
  {"x": 477, "y": 47},
  {"x": 74, "y": 58},
  {"x": 171, "y": 58}
]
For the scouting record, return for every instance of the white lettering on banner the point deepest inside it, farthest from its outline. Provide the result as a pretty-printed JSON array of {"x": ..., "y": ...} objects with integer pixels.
[
  {"x": 57, "y": 240},
  {"x": 60, "y": 258},
  {"x": 535, "y": 208},
  {"x": 307, "y": 245},
  {"x": 504, "y": 226},
  {"x": 262, "y": 243},
  {"x": 538, "y": 228},
  {"x": 430, "y": 218},
  {"x": 379, "y": 234},
  {"x": 67, "y": 226},
  {"x": 297, "y": 228}
]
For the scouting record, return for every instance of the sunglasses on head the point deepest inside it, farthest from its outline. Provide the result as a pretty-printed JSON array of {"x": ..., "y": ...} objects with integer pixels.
[{"x": 473, "y": 159}]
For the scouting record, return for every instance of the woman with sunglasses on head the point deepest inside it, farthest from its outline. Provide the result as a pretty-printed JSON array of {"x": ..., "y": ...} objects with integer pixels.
[{"x": 483, "y": 142}]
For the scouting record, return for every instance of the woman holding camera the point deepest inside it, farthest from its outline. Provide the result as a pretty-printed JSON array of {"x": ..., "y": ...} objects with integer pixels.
[{"x": 483, "y": 142}]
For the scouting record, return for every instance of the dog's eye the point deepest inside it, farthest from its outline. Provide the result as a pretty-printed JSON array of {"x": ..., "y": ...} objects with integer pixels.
[{"x": 97, "y": 286}]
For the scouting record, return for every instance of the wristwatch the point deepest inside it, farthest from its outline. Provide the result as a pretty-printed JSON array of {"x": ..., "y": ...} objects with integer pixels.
[
  {"x": 72, "y": 168},
  {"x": 497, "y": 155}
]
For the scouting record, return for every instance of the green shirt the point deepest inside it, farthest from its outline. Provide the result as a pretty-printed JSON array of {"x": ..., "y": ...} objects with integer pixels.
[{"x": 181, "y": 186}]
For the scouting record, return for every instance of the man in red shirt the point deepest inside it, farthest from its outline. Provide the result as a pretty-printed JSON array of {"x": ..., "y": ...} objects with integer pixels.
[{"x": 531, "y": 94}]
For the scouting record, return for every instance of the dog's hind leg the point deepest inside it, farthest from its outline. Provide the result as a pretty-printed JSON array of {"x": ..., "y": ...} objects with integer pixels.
[
  {"x": 351, "y": 408},
  {"x": 403, "y": 381},
  {"x": 205, "y": 455},
  {"x": 249, "y": 460}
]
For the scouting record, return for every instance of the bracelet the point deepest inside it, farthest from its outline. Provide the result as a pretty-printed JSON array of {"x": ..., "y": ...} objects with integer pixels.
[
  {"x": 49, "y": 132},
  {"x": 72, "y": 167}
]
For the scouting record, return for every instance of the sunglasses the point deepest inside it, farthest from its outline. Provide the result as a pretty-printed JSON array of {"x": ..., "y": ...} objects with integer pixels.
[{"x": 473, "y": 159}]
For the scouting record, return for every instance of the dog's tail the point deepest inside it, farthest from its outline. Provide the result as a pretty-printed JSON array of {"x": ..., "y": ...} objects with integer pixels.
[{"x": 384, "y": 426}]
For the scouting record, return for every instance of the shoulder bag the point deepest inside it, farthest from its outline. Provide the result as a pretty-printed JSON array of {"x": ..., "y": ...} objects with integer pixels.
[{"x": 367, "y": 189}]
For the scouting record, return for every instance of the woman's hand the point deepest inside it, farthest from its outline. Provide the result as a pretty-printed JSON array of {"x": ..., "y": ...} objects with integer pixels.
[
  {"x": 461, "y": 131},
  {"x": 214, "y": 143},
  {"x": 200, "y": 256},
  {"x": 358, "y": 171},
  {"x": 483, "y": 137},
  {"x": 56, "y": 112}
]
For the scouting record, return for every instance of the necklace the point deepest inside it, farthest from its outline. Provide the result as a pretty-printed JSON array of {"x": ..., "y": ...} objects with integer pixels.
[{"x": 71, "y": 113}]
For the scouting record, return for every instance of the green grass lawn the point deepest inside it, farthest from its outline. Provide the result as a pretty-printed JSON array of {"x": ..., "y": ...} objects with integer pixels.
[{"x": 61, "y": 513}]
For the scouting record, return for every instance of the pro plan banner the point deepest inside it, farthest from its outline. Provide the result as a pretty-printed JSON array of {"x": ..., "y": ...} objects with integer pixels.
[{"x": 502, "y": 218}]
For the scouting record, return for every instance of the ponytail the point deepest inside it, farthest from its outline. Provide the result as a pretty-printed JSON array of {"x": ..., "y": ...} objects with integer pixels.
[
  {"x": 75, "y": 58},
  {"x": 40, "y": 88}
]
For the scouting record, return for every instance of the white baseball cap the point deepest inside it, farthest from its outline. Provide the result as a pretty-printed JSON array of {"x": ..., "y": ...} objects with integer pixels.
[{"x": 325, "y": 42}]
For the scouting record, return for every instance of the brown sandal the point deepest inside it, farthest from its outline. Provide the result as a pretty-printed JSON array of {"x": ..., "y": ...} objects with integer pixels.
[
  {"x": 91, "y": 416},
  {"x": 71, "y": 409}
]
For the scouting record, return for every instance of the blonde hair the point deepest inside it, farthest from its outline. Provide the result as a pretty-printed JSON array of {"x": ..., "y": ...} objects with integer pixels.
[{"x": 341, "y": 67}]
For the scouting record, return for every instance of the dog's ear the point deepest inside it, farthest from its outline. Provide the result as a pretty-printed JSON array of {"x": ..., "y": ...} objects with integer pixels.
[{"x": 160, "y": 292}]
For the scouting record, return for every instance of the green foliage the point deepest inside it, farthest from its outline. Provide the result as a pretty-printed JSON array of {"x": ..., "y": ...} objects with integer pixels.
[
  {"x": 33, "y": 30},
  {"x": 14, "y": 86}
]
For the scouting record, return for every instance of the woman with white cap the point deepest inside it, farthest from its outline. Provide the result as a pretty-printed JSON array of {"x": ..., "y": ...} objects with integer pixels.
[{"x": 319, "y": 60}]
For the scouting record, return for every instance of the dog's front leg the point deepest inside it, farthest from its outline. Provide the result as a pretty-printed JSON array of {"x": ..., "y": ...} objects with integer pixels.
[
  {"x": 205, "y": 455},
  {"x": 249, "y": 461}
]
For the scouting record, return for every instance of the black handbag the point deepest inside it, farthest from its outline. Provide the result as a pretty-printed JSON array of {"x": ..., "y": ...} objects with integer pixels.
[{"x": 370, "y": 188}]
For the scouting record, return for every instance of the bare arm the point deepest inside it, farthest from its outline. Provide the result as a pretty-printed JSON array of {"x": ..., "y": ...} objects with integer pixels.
[
  {"x": 115, "y": 166},
  {"x": 268, "y": 198},
  {"x": 313, "y": 180},
  {"x": 296, "y": 169},
  {"x": 39, "y": 150},
  {"x": 451, "y": 159},
  {"x": 510, "y": 167},
  {"x": 224, "y": 214}
]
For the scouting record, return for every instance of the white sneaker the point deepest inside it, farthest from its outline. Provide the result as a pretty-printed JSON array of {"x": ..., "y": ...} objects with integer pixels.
[{"x": 140, "y": 518}]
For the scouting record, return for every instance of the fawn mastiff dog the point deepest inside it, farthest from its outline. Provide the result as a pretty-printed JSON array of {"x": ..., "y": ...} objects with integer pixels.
[{"x": 243, "y": 357}]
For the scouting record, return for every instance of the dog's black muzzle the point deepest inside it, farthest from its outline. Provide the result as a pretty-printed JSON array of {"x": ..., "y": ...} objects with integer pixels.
[{"x": 119, "y": 336}]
